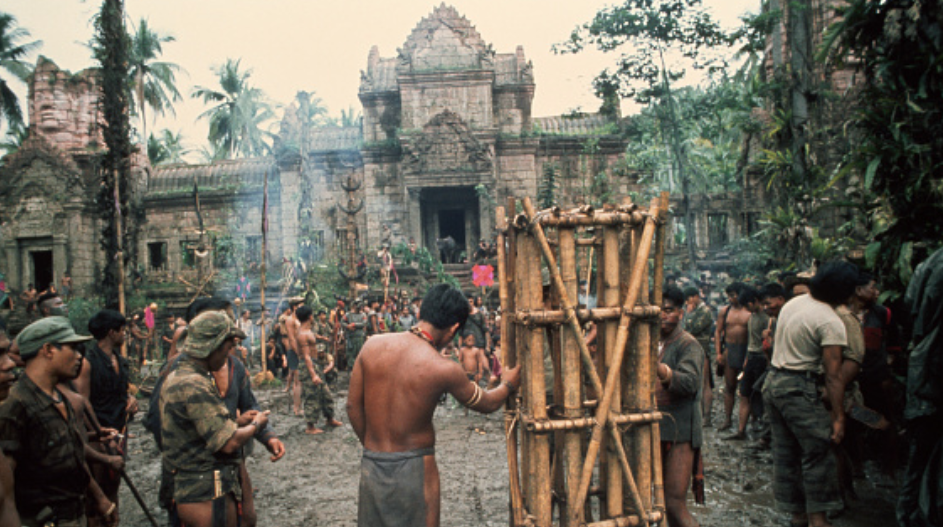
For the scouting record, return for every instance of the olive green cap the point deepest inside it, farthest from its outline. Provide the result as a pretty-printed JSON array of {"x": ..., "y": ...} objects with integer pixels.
[
  {"x": 208, "y": 331},
  {"x": 49, "y": 330}
]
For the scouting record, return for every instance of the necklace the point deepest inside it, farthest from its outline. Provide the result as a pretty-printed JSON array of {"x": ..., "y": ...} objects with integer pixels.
[{"x": 423, "y": 334}]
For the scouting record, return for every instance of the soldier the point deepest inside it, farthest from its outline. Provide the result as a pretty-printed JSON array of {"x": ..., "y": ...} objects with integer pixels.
[
  {"x": 356, "y": 323},
  {"x": 322, "y": 330},
  {"x": 8, "y": 515},
  {"x": 318, "y": 399},
  {"x": 39, "y": 431},
  {"x": 200, "y": 439}
]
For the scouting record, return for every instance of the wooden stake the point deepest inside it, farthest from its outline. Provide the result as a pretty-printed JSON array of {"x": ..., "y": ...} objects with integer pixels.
[
  {"x": 535, "y": 394},
  {"x": 572, "y": 382},
  {"x": 509, "y": 360},
  {"x": 609, "y": 277}
]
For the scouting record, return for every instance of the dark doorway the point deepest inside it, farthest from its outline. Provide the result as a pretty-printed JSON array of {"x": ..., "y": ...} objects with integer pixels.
[
  {"x": 157, "y": 255},
  {"x": 42, "y": 269},
  {"x": 452, "y": 223}
]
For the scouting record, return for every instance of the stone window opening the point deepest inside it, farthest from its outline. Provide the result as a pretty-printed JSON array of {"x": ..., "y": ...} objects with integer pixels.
[
  {"x": 157, "y": 256},
  {"x": 188, "y": 254},
  {"x": 717, "y": 230},
  {"x": 312, "y": 246}
]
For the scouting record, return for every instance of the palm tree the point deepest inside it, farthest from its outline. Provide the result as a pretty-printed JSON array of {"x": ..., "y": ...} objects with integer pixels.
[
  {"x": 166, "y": 148},
  {"x": 238, "y": 115},
  {"x": 12, "y": 53},
  {"x": 154, "y": 82}
]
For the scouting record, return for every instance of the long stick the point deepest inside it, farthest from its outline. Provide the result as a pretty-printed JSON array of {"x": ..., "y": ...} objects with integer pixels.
[
  {"x": 124, "y": 475},
  {"x": 509, "y": 360},
  {"x": 119, "y": 258},
  {"x": 264, "y": 342}
]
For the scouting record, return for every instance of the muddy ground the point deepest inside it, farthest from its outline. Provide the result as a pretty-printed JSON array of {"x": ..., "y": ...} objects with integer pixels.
[{"x": 316, "y": 482}]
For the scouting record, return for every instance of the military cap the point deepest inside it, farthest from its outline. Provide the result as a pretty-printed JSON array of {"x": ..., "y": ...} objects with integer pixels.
[
  {"x": 50, "y": 330},
  {"x": 208, "y": 331}
]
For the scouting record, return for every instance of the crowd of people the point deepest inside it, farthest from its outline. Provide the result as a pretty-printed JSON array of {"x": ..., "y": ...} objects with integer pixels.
[
  {"x": 822, "y": 372},
  {"x": 813, "y": 361}
]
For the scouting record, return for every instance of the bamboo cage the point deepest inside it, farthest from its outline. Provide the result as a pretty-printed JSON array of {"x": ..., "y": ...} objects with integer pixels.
[{"x": 583, "y": 442}]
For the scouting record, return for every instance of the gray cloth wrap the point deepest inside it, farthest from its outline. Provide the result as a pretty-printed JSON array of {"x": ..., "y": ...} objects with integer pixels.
[{"x": 392, "y": 488}]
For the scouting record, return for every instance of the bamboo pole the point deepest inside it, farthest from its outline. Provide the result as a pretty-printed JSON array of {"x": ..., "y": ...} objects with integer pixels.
[
  {"x": 572, "y": 381},
  {"x": 527, "y": 445},
  {"x": 602, "y": 413},
  {"x": 658, "y": 480},
  {"x": 602, "y": 366},
  {"x": 556, "y": 282},
  {"x": 595, "y": 219},
  {"x": 552, "y": 425},
  {"x": 610, "y": 279},
  {"x": 509, "y": 360},
  {"x": 641, "y": 362},
  {"x": 599, "y": 314},
  {"x": 536, "y": 388}
]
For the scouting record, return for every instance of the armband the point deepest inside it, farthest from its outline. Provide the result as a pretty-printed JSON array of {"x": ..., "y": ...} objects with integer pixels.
[{"x": 475, "y": 398}]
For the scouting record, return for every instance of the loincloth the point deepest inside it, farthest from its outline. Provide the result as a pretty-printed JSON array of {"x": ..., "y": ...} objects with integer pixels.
[{"x": 392, "y": 488}]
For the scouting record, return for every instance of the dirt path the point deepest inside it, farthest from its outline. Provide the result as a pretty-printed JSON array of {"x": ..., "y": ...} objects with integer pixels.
[{"x": 316, "y": 483}]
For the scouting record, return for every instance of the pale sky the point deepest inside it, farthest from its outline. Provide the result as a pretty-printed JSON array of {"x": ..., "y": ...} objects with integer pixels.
[{"x": 322, "y": 45}]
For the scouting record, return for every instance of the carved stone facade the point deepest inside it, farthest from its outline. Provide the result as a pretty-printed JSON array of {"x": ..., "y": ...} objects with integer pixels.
[{"x": 447, "y": 131}]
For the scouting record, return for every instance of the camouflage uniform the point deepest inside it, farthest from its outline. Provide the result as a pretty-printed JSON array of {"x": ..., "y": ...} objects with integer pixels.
[
  {"x": 317, "y": 398},
  {"x": 195, "y": 424},
  {"x": 355, "y": 337},
  {"x": 699, "y": 324},
  {"x": 324, "y": 358}
]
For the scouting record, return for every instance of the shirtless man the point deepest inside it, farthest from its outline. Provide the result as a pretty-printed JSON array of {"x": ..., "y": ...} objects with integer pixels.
[
  {"x": 290, "y": 326},
  {"x": 317, "y": 398},
  {"x": 730, "y": 343},
  {"x": 394, "y": 389}
]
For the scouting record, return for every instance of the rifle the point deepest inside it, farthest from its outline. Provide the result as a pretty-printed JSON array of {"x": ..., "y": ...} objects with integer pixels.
[{"x": 124, "y": 475}]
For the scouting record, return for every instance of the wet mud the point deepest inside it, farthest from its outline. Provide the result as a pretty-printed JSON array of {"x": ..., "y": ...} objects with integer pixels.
[{"x": 316, "y": 482}]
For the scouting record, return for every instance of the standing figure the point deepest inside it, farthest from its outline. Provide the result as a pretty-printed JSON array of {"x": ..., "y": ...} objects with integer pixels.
[
  {"x": 730, "y": 342},
  {"x": 356, "y": 323},
  {"x": 403, "y": 375},
  {"x": 807, "y": 355},
  {"x": 200, "y": 438},
  {"x": 318, "y": 399},
  {"x": 680, "y": 374}
]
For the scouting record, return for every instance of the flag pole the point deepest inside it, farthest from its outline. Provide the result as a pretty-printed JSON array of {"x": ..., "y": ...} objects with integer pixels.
[{"x": 264, "y": 343}]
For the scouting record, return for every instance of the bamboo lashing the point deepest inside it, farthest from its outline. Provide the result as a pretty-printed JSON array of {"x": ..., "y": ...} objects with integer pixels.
[
  {"x": 622, "y": 336},
  {"x": 549, "y": 317},
  {"x": 549, "y": 425}
]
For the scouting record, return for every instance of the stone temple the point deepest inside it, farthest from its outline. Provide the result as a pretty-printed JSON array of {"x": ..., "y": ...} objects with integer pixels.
[{"x": 447, "y": 132}]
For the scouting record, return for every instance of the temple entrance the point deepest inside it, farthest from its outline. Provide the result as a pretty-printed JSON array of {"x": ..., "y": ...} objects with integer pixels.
[
  {"x": 450, "y": 213},
  {"x": 42, "y": 269}
]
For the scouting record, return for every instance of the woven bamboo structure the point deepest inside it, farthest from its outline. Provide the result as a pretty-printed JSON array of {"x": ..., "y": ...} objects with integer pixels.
[{"x": 582, "y": 438}]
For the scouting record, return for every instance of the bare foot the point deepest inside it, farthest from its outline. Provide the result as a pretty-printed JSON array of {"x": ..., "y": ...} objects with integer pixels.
[
  {"x": 725, "y": 426},
  {"x": 313, "y": 431},
  {"x": 335, "y": 423}
]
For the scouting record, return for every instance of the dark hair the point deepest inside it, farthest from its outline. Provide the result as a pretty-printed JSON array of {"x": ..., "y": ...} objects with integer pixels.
[
  {"x": 734, "y": 287},
  {"x": 104, "y": 321},
  {"x": 444, "y": 306},
  {"x": 49, "y": 295},
  {"x": 690, "y": 291},
  {"x": 674, "y": 295},
  {"x": 303, "y": 314},
  {"x": 834, "y": 282},
  {"x": 747, "y": 294},
  {"x": 211, "y": 303},
  {"x": 772, "y": 290}
]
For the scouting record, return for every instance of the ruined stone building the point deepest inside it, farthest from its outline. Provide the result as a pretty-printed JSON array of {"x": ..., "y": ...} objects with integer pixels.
[{"x": 447, "y": 133}]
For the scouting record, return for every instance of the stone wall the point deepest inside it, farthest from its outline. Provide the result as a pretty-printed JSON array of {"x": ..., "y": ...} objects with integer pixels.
[{"x": 63, "y": 107}]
